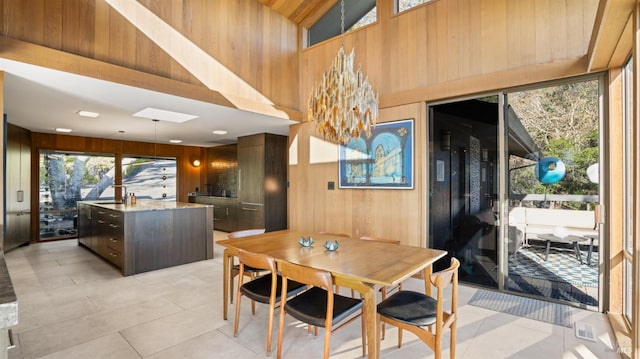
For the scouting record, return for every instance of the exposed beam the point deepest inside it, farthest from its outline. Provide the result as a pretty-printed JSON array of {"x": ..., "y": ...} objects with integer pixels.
[{"x": 607, "y": 36}]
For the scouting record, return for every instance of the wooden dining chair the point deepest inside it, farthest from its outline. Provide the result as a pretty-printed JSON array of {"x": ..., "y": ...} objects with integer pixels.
[
  {"x": 417, "y": 312},
  {"x": 235, "y": 269},
  {"x": 319, "y": 306},
  {"x": 264, "y": 289},
  {"x": 384, "y": 291}
]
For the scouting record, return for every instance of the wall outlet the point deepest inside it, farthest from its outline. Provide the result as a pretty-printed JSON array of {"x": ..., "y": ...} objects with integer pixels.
[{"x": 331, "y": 185}]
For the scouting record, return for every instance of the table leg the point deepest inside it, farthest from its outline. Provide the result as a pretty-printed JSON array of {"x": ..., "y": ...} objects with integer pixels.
[
  {"x": 226, "y": 272},
  {"x": 578, "y": 254},
  {"x": 427, "y": 281},
  {"x": 373, "y": 330},
  {"x": 368, "y": 293},
  {"x": 546, "y": 253}
]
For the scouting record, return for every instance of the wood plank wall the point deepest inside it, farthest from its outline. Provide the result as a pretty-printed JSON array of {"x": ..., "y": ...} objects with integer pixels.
[
  {"x": 440, "y": 50},
  {"x": 254, "y": 42}
]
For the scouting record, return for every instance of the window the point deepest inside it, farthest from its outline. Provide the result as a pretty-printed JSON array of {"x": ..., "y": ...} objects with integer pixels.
[
  {"x": 403, "y": 5},
  {"x": 65, "y": 179},
  {"x": 357, "y": 13},
  {"x": 150, "y": 178}
]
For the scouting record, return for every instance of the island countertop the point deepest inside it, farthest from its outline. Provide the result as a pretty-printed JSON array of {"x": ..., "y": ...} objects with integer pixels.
[
  {"x": 144, "y": 205},
  {"x": 148, "y": 235}
]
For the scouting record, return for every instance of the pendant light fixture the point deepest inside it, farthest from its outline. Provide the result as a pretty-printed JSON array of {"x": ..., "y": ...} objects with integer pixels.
[{"x": 344, "y": 105}]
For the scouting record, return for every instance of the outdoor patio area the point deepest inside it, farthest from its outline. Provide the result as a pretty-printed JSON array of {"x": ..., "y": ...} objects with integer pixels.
[{"x": 560, "y": 277}]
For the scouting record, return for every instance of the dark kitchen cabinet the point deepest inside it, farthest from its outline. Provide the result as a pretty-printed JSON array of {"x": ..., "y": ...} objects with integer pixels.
[
  {"x": 147, "y": 236},
  {"x": 17, "y": 200},
  {"x": 262, "y": 179},
  {"x": 222, "y": 174},
  {"x": 225, "y": 214}
]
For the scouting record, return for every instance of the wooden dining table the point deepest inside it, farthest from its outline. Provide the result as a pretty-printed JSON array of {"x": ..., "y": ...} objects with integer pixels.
[{"x": 364, "y": 266}]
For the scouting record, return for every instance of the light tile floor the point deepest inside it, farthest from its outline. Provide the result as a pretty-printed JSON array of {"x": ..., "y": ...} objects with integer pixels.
[{"x": 75, "y": 305}]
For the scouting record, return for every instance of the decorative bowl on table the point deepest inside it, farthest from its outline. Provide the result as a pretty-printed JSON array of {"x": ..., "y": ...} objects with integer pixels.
[
  {"x": 331, "y": 245},
  {"x": 306, "y": 242}
]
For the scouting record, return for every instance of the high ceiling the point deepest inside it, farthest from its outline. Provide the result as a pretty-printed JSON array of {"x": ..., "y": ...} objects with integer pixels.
[
  {"x": 41, "y": 100},
  {"x": 304, "y": 12}
]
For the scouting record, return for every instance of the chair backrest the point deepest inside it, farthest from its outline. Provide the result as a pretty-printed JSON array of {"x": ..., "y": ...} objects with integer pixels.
[
  {"x": 443, "y": 279},
  {"x": 306, "y": 275},
  {"x": 246, "y": 233},
  {"x": 383, "y": 240},
  {"x": 257, "y": 260}
]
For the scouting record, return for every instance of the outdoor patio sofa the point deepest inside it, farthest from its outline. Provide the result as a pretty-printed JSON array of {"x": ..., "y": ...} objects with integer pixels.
[{"x": 536, "y": 221}]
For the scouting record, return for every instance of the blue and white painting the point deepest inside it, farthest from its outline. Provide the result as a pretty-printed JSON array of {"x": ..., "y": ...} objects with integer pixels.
[{"x": 384, "y": 160}]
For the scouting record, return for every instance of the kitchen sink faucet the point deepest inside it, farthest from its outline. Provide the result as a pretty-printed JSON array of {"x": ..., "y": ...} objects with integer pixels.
[{"x": 124, "y": 195}]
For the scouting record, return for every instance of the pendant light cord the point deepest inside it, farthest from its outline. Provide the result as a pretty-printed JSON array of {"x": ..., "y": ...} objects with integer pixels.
[{"x": 342, "y": 21}]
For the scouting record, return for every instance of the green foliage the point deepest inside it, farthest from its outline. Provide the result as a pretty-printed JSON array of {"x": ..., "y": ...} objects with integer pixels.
[{"x": 563, "y": 122}]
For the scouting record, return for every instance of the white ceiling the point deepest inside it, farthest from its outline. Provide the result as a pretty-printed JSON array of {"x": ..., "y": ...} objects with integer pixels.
[{"x": 41, "y": 99}]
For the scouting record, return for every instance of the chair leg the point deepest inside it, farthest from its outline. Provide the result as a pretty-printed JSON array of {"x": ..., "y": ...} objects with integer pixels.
[
  {"x": 237, "y": 321},
  {"x": 231, "y": 286},
  {"x": 272, "y": 308},
  {"x": 280, "y": 332},
  {"x": 452, "y": 343},
  {"x": 364, "y": 332},
  {"x": 383, "y": 295},
  {"x": 327, "y": 341}
]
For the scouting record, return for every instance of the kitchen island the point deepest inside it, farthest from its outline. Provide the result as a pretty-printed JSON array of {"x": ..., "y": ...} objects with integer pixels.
[{"x": 147, "y": 235}]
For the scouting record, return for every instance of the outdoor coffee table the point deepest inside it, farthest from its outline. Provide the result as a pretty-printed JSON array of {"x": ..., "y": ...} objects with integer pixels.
[{"x": 575, "y": 240}]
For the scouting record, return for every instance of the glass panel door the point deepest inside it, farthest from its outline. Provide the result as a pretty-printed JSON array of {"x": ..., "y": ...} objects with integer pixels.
[
  {"x": 552, "y": 243},
  {"x": 464, "y": 186}
]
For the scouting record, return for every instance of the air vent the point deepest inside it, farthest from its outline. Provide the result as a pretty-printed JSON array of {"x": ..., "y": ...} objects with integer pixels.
[{"x": 585, "y": 331}]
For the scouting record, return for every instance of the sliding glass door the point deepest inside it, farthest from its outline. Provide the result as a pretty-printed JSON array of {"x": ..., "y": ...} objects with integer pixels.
[
  {"x": 514, "y": 189},
  {"x": 552, "y": 232}
]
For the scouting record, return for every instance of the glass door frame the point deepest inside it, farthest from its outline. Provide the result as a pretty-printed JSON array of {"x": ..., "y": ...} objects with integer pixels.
[
  {"x": 504, "y": 190},
  {"x": 502, "y": 199}
]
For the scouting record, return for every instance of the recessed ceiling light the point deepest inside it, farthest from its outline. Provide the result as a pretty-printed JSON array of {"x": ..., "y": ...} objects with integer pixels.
[
  {"x": 219, "y": 132},
  {"x": 63, "y": 130},
  {"x": 88, "y": 114},
  {"x": 164, "y": 115},
  {"x": 175, "y": 141}
]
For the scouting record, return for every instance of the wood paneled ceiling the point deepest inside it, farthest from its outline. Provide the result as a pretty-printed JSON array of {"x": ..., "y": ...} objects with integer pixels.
[{"x": 301, "y": 12}]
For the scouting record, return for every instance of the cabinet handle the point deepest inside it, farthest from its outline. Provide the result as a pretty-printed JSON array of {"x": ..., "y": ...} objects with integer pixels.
[
  {"x": 11, "y": 343},
  {"x": 113, "y": 240},
  {"x": 113, "y": 225},
  {"x": 101, "y": 212},
  {"x": 114, "y": 216},
  {"x": 239, "y": 180},
  {"x": 227, "y": 211},
  {"x": 113, "y": 254},
  {"x": 249, "y": 209},
  {"x": 101, "y": 221}
]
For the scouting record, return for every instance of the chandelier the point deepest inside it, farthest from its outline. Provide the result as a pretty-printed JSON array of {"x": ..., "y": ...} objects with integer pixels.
[{"x": 343, "y": 106}]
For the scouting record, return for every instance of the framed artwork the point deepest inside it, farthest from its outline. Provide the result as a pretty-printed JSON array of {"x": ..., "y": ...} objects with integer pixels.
[{"x": 384, "y": 160}]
